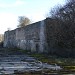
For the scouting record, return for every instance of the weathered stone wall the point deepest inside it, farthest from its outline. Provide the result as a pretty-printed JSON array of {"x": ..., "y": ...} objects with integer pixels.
[
  {"x": 9, "y": 38},
  {"x": 31, "y": 37}
]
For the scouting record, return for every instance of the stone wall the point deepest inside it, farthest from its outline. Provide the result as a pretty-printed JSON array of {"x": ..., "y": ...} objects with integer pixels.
[{"x": 31, "y": 37}]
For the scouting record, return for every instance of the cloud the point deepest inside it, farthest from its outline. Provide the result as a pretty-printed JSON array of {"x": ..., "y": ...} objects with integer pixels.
[
  {"x": 37, "y": 16},
  {"x": 7, "y": 20},
  {"x": 15, "y": 4},
  {"x": 19, "y": 2}
]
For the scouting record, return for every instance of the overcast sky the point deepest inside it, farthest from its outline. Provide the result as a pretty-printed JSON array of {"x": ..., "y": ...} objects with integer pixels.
[{"x": 36, "y": 10}]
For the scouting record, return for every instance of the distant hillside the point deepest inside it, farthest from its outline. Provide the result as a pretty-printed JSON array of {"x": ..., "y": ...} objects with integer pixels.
[{"x": 1, "y": 37}]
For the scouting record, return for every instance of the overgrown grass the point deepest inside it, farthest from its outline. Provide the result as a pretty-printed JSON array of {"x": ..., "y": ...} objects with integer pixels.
[{"x": 68, "y": 64}]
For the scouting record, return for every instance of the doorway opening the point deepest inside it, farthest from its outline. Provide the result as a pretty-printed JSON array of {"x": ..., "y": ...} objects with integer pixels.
[{"x": 37, "y": 48}]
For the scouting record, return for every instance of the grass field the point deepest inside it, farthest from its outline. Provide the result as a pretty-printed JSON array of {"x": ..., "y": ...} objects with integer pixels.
[{"x": 67, "y": 64}]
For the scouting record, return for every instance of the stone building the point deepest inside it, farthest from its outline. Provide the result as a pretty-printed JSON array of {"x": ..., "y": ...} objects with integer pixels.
[
  {"x": 37, "y": 37},
  {"x": 42, "y": 37},
  {"x": 31, "y": 37}
]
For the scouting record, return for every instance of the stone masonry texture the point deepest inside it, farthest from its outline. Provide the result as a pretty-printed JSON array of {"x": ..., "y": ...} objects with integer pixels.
[{"x": 31, "y": 37}]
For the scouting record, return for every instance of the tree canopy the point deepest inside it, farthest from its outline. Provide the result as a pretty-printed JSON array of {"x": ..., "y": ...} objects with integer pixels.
[
  {"x": 23, "y": 21},
  {"x": 65, "y": 16}
]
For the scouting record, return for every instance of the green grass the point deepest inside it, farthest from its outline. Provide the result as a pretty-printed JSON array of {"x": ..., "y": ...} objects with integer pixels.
[{"x": 68, "y": 64}]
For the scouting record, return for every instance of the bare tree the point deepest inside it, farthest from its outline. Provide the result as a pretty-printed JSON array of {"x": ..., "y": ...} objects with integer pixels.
[
  {"x": 65, "y": 36},
  {"x": 23, "y": 21}
]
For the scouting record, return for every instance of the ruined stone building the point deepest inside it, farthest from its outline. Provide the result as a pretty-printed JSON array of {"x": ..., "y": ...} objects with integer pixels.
[{"x": 33, "y": 37}]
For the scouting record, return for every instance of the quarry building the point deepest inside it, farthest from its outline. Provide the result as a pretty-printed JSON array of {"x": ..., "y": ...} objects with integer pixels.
[{"x": 33, "y": 37}]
